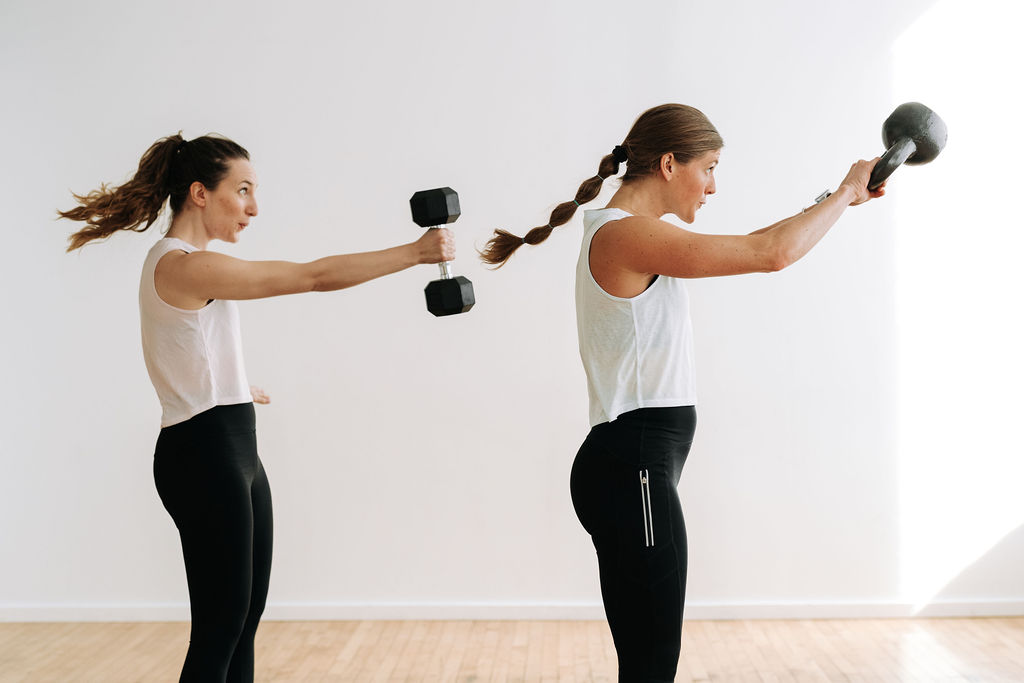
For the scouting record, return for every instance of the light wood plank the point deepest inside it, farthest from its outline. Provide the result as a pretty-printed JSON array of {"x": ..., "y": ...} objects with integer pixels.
[{"x": 857, "y": 651}]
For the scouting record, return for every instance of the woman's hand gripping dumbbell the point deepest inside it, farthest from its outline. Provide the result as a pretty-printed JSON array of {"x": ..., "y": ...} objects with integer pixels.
[{"x": 432, "y": 209}]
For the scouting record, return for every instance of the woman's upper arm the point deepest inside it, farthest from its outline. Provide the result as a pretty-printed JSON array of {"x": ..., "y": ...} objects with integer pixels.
[
  {"x": 205, "y": 275},
  {"x": 649, "y": 245}
]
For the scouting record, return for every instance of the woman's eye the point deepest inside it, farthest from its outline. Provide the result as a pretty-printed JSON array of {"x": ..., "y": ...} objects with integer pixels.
[{"x": 244, "y": 190}]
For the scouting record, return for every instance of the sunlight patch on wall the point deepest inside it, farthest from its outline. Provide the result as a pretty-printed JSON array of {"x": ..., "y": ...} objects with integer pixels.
[{"x": 960, "y": 293}]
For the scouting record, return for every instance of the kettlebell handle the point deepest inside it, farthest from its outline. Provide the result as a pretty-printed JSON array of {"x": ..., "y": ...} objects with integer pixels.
[{"x": 890, "y": 161}]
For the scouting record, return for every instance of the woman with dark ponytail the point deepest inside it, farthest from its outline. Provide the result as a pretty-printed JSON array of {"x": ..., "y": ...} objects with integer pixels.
[
  {"x": 636, "y": 345},
  {"x": 206, "y": 467}
]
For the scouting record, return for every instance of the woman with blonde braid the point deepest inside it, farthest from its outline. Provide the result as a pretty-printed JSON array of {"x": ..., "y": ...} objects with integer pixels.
[
  {"x": 207, "y": 470},
  {"x": 636, "y": 345}
]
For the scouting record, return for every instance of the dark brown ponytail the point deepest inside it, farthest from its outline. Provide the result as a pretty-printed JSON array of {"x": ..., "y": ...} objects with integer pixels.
[
  {"x": 676, "y": 128},
  {"x": 167, "y": 169},
  {"x": 500, "y": 247}
]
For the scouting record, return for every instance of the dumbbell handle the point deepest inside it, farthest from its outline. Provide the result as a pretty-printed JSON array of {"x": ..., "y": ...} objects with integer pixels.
[{"x": 446, "y": 266}]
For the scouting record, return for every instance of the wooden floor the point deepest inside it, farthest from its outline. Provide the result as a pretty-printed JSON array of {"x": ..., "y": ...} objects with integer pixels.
[{"x": 925, "y": 651}]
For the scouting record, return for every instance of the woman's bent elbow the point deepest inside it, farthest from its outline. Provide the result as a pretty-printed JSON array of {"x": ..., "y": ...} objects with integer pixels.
[
  {"x": 777, "y": 260},
  {"x": 318, "y": 285},
  {"x": 772, "y": 254}
]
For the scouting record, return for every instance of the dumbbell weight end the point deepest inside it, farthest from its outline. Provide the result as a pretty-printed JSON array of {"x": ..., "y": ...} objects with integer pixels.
[{"x": 449, "y": 296}]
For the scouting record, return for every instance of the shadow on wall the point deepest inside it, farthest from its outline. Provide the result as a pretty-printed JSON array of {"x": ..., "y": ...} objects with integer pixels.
[{"x": 986, "y": 583}]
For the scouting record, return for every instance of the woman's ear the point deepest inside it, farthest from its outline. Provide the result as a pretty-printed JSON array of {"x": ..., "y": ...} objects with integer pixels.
[
  {"x": 197, "y": 192},
  {"x": 668, "y": 165}
]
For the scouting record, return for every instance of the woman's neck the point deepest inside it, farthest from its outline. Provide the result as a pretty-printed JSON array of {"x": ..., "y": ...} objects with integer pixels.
[
  {"x": 640, "y": 199},
  {"x": 188, "y": 228}
]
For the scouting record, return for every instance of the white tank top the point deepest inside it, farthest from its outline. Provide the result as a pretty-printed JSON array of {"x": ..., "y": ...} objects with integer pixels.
[
  {"x": 637, "y": 352},
  {"x": 194, "y": 358}
]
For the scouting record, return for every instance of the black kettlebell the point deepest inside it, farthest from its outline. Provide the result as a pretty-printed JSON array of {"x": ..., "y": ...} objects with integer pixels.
[{"x": 913, "y": 134}]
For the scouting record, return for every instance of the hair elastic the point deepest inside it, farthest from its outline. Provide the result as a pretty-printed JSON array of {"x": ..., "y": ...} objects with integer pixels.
[{"x": 619, "y": 154}]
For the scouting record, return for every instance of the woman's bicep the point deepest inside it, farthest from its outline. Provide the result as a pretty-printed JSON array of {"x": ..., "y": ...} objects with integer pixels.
[
  {"x": 668, "y": 250},
  {"x": 209, "y": 275}
]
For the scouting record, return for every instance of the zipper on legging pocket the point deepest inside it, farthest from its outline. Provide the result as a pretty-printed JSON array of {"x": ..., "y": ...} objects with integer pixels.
[{"x": 645, "y": 498}]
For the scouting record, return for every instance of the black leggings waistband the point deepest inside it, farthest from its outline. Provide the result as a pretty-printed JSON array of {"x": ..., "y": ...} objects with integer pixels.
[
  {"x": 646, "y": 434},
  {"x": 230, "y": 419}
]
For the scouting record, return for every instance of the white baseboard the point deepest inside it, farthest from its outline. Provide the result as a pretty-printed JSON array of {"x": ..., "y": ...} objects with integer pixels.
[
  {"x": 858, "y": 610},
  {"x": 511, "y": 611}
]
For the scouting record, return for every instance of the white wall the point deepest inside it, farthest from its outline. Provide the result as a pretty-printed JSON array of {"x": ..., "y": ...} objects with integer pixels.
[{"x": 419, "y": 465}]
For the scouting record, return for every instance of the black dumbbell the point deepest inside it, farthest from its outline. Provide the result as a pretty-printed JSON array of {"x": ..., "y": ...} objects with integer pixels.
[
  {"x": 432, "y": 209},
  {"x": 913, "y": 134}
]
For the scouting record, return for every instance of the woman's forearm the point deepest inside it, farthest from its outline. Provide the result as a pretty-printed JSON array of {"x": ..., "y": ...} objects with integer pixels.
[
  {"x": 347, "y": 270},
  {"x": 793, "y": 237}
]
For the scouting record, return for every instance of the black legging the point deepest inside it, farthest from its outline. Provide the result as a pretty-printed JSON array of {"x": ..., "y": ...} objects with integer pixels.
[
  {"x": 210, "y": 478},
  {"x": 623, "y": 487}
]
